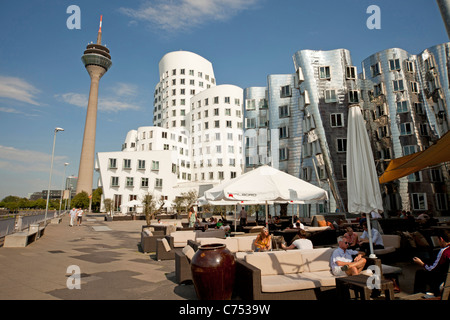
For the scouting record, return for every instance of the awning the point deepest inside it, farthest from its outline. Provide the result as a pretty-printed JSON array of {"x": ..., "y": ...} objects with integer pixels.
[{"x": 433, "y": 155}]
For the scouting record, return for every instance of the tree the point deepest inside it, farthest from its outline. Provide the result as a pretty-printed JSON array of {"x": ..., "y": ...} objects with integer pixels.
[
  {"x": 152, "y": 205},
  {"x": 81, "y": 200},
  {"x": 108, "y": 205},
  {"x": 179, "y": 204},
  {"x": 96, "y": 199},
  {"x": 190, "y": 198}
]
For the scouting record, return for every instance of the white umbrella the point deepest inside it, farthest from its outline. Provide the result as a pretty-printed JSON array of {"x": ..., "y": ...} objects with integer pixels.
[
  {"x": 363, "y": 188},
  {"x": 266, "y": 185}
]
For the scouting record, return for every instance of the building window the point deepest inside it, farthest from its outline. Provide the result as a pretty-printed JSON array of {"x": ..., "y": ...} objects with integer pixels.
[
  {"x": 436, "y": 175},
  {"x": 158, "y": 183},
  {"x": 286, "y": 91},
  {"x": 351, "y": 72},
  {"x": 337, "y": 120},
  {"x": 407, "y": 150},
  {"x": 127, "y": 163},
  {"x": 375, "y": 69},
  {"x": 130, "y": 181},
  {"x": 344, "y": 171},
  {"x": 114, "y": 181},
  {"x": 144, "y": 182},
  {"x": 441, "y": 201},
  {"x": 419, "y": 201},
  {"x": 227, "y": 100},
  {"x": 284, "y": 154},
  {"x": 283, "y": 111},
  {"x": 250, "y": 104},
  {"x": 217, "y": 124},
  {"x": 414, "y": 87},
  {"x": 229, "y": 124},
  {"x": 306, "y": 174},
  {"x": 283, "y": 132},
  {"x": 409, "y": 66},
  {"x": 405, "y": 128},
  {"x": 398, "y": 85},
  {"x": 250, "y": 123},
  {"x": 415, "y": 177},
  {"x": 394, "y": 65},
  {"x": 324, "y": 72},
  {"x": 141, "y": 164},
  {"x": 221, "y": 175},
  {"x": 341, "y": 144},
  {"x": 423, "y": 127},
  {"x": 233, "y": 174},
  {"x": 330, "y": 96},
  {"x": 402, "y": 106},
  {"x": 378, "y": 89},
  {"x": 112, "y": 163},
  {"x": 155, "y": 165},
  {"x": 353, "y": 96}
]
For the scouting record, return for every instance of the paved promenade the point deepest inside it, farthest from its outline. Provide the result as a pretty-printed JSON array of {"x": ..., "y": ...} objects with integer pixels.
[{"x": 107, "y": 253}]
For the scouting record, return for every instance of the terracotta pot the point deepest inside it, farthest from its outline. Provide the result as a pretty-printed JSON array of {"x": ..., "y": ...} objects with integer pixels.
[{"x": 213, "y": 270}]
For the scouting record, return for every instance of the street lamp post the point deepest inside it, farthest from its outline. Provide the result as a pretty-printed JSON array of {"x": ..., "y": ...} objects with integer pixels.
[
  {"x": 63, "y": 187},
  {"x": 51, "y": 169}
]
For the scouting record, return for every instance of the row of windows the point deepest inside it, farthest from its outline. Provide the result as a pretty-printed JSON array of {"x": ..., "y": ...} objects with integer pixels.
[
  {"x": 394, "y": 65},
  {"x": 191, "y": 72},
  {"x": 325, "y": 73},
  {"x": 218, "y": 162},
  {"x": 126, "y": 164},
  {"x": 216, "y": 100},
  {"x": 216, "y": 113},
  {"x": 419, "y": 201},
  {"x": 218, "y": 150},
  {"x": 130, "y": 181},
  {"x": 216, "y": 125},
  {"x": 217, "y": 137}
]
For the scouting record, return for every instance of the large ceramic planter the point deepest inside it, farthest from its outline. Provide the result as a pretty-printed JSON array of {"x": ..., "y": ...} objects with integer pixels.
[{"x": 213, "y": 270}]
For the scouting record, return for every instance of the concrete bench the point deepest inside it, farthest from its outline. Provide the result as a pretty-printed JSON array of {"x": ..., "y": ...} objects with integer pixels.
[
  {"x": 20, "y": 239},
  {"x": 24, "y": 238}
]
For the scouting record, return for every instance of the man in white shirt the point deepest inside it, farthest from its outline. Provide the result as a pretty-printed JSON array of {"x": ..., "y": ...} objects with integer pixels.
[
  {"x": 73, "y": 214},
  {"x": 377, "y": 240},
  {"x": 342, "y": 261},
  {"x": 301, "y": 243}
]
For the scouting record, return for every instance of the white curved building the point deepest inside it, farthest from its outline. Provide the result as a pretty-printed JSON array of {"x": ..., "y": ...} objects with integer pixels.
[
  {"x": 215, "y": 123},
  {"x": 182, "y": 75}
]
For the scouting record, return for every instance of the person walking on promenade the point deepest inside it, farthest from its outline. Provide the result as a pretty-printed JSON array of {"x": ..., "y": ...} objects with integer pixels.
[
  {"x": 73, "y": 214},
  {"x": 79, "y": 216}
]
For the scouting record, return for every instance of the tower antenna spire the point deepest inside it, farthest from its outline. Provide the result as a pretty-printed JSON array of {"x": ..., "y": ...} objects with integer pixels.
[{"x": 99, "y": 36}]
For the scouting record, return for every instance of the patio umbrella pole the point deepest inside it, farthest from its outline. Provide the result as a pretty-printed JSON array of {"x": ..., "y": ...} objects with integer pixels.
[
  {"x": 235, "y": 217},
  {"x": 267, "y": 215},
  {"x": 369, "y": 230}
]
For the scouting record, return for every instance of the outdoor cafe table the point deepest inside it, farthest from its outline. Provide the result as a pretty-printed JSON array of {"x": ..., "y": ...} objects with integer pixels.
[{"x": 359, "y": 285}]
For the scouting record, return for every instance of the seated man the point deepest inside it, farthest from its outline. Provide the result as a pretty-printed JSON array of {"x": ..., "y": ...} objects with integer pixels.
[
  {"x": 434, "y": 274},
  {"x": 342, "y": 261},
  {"x": 377, "y": 240},
  {"x": 300, "y": 243}
]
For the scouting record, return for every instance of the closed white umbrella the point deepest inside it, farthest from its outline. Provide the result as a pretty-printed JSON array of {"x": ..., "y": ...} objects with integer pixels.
[{"x": 363, "y": 188}]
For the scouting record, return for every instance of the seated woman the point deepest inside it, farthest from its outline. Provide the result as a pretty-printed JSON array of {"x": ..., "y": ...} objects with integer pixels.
[
  {"x": 263, "y": 241},
  {"x": 352, "y": 238}
]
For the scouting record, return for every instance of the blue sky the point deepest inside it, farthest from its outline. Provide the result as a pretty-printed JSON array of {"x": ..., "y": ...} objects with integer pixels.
[{"x": 44, "y": 85}]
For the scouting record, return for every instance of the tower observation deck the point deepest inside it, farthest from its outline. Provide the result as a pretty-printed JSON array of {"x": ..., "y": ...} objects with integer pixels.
[{"x": 97, "y": 61}]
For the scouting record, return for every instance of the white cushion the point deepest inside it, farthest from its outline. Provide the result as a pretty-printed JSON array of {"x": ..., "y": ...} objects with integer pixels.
[
  {"x": 246, "y": 243},
  {"x": 326, "y": 278},
  {"x": 165, "y": 244},
  {"x": 276, "y": 262},
  {"x": 289, "y": 282},
  {"x": 317, "y": 259},
  {"x": 231, "y": 243},
  {"x": 188, "y": 252},
  {"x": 180, "y": 238}
]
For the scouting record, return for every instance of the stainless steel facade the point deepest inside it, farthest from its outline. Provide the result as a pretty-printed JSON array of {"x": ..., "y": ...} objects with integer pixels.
[
  {"x": 404, "y": 104},
  {"x": 298, "y": 123}
]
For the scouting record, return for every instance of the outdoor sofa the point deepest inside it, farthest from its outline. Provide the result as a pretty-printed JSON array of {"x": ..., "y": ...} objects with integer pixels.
[
  {"x": 392, "y": 243},
  {"x": 239, "y": 246},
  {"x": 176, "y": 241},
  {"x": 286, "y": 275}
]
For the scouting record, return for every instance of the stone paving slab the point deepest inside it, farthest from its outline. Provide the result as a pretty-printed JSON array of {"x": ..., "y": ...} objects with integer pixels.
[{"x": 107, "y": 255}]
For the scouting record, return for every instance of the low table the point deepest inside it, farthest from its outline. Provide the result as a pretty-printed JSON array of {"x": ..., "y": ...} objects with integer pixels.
[{"x": 358, "y": 284}]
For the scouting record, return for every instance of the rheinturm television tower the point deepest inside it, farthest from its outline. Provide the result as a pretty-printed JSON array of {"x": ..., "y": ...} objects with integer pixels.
[{"x": 97, "y": 61}]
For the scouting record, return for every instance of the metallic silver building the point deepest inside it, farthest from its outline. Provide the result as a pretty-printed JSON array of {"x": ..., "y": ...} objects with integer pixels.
[{"x": 403, "y": 105}]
